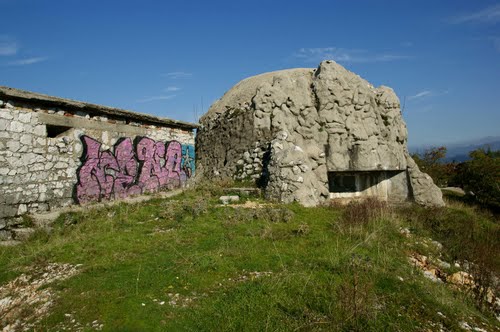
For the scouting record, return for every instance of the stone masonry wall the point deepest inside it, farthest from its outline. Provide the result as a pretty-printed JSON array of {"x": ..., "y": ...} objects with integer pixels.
[{"x": 51, "y": 157}]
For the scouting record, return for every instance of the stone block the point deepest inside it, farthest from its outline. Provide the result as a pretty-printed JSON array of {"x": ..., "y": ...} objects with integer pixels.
[
  {"x": 5, "y": 235},
  {"x": 14, "y": 222},
  {"x": 7, "y": 211},
  {"x": 24, "y": 117},
  {"x": 22, "y": 234},
  {"x": 16, "y": 126},
  {"x": 26, "y": 139},
  {"x": 40, "y": 130},
  {"x": 22, "y": 209},
  {"x": 229, "y": 199},
  {"x": 4, "y": 124},
  {"x": 6, "y": 114}
]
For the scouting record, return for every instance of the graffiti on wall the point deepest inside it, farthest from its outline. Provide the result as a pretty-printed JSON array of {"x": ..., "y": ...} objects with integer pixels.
[{"x": 134, "y": 167}]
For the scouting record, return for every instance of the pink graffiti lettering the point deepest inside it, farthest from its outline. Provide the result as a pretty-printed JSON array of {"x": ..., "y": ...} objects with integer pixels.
[
  {"x": 95, "y": 182},
  {"x": 173, "y": 164},
  {"x": 151, "y": 167},
  {"x": 125, "y": 178}
]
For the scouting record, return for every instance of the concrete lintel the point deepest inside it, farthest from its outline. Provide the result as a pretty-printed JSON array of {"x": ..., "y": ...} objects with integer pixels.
[
  {"x": 361, "y": 171},
  {"x": 74, "y": 122}
]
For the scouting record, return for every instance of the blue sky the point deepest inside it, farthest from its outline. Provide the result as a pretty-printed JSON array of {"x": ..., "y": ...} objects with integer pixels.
[{"x": 173, "y": 58}]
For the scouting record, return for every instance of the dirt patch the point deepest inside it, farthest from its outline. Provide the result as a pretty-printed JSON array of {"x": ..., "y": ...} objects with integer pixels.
[{"x": 26, "y": 300}]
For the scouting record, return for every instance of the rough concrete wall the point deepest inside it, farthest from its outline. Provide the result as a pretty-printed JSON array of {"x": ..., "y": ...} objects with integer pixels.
[
  {"x": 230, "y": 147},
  {"x": 311, "y": 122},
  {"x": 97, "y": 159}
]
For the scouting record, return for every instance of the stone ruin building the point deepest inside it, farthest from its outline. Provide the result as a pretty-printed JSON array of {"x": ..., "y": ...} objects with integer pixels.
[
  {"x": 55, "y": 152},
  {"x": 309, "y": 135}
]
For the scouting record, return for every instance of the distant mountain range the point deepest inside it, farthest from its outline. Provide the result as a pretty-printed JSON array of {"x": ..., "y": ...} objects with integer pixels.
[{"x": 460, "y": 151}]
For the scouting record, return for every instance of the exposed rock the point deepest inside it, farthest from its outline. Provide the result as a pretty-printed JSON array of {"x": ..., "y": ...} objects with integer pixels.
[
  {"x": 461, "y": 279},
  {"x": 456, "y": 190},
  {"x": 424, "y": 190},
  {"x": 429, "y": 270},
  {"x": 5, "y": 235},
  {"x": 292, "y": 130},
  {"x": 229, "y": 199},
  {"x": 22, "y": 234}
]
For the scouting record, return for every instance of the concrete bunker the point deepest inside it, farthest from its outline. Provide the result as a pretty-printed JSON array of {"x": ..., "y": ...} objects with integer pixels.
[{"x": 309, "y": 135}]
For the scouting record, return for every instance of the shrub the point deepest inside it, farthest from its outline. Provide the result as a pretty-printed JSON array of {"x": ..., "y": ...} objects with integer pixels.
[
  {"x": 214, "y": 187},
  {"x": 359, "y": 213},
  {"x": 356, "y": 296},
  {"x": 468, "y": 236},
  {"x": 480, "y": 177},
  {"x": 431, "y": 162}
]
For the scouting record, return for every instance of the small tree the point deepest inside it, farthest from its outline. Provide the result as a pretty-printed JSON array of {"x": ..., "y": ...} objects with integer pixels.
[
  {"x": 480, "y": 177},
  {"x": 432, "y": 163}
]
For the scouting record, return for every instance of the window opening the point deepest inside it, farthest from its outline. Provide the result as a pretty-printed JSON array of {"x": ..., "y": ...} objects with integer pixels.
[
  {"x": 56, "y": 131},
  {"x": 341, "y": 183}
]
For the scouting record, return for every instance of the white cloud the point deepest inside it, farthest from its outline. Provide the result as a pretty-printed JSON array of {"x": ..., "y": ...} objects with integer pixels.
[
  {"x": 155, "y": 98},
  {"x": 178, "y": 74},
  {"x": 8, "y": 46},
  {"x": 27, "y": 61},
  {"x": 487, "y": 15},
  {"x": 172, "y": 89},
  {"x": 420, "y": 95},
  {"x": 428, "y": 93},
  {"x": 345, "y": 55}
]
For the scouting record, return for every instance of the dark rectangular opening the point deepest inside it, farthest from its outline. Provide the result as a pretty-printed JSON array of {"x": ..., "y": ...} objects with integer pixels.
[
  {"x": 357, "y": 181},
  {"x": 341, "y": 183},
  {"x": 56, "y": 131}
]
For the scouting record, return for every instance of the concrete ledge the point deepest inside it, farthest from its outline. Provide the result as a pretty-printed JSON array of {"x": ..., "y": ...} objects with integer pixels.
[{"x": 74, "y": 122}]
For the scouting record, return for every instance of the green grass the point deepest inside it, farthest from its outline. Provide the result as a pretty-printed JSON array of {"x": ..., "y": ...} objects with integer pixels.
[{"x": 327, "y": 273}]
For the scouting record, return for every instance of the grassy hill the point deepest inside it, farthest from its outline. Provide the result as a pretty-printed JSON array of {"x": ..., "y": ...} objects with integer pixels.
[{"x": 189, "y": 264}]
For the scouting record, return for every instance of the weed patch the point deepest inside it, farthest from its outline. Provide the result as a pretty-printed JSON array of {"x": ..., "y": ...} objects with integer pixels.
[
  {"x": 356, "y": 296},
  {"x": 360, "y": 213}
]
